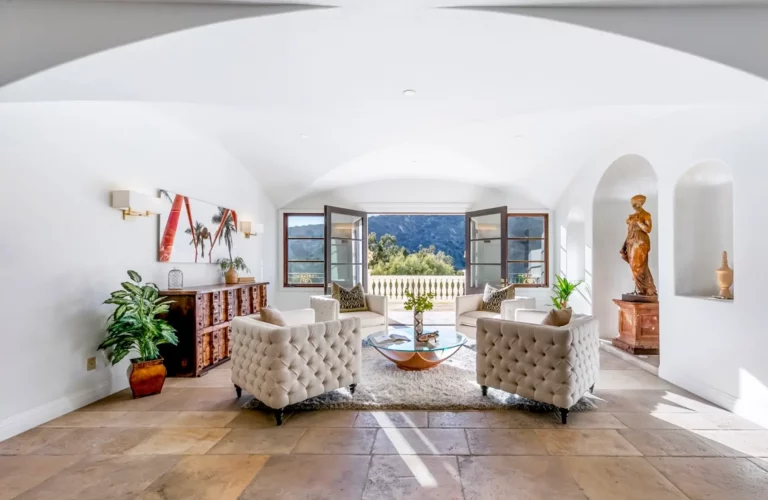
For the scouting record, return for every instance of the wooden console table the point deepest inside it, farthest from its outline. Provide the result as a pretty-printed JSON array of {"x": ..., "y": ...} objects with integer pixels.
[
  {"x": 638, "y": 327},
  {"x": 202, "y": 317}
]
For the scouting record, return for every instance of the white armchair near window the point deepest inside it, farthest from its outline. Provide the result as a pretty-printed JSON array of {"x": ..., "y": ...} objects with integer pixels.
[
  {"x": 468, "y": 311},
  {"x": 375, "y": 319}
]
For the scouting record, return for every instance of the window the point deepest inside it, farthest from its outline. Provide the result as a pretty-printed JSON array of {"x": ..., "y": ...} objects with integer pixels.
[
  {"x": 528, "y": 256},
  {"x": 303, "y": 250}
]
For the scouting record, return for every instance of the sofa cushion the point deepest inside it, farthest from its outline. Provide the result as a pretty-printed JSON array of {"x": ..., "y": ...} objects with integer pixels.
[
  {"x": 350, "y": 300},
  {"x": 493, "y": 297},
  {"x": 273, "y": 316},
  {"x": 558, "y": 317},
  {"x": 367, "y": 318},
  {"x": 470, "y": 318}
]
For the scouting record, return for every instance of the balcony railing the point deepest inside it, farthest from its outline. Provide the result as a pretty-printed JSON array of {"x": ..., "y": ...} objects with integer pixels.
[{"x": 445, "y": 288}]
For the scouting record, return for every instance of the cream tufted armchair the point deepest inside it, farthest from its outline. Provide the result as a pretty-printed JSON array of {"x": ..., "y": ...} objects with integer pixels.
[
  {"x": 375, "y": 319},
  {"x": 283, "y": 365},
  {"x": 554, "y": 365},
  {"x": 468, "y": 311}
]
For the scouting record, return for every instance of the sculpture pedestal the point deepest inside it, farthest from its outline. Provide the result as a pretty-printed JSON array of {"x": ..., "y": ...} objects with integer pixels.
[{"x": 638, "y": 327}]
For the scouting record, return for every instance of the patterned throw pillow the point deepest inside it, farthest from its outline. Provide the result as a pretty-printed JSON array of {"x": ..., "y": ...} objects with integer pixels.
[
  {"x": 493, "y": 297},
  {"x": 350, "y": 300}
]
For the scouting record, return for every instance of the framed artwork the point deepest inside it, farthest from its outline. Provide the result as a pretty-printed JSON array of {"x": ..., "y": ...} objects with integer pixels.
[{"x": 194, "y": 231}]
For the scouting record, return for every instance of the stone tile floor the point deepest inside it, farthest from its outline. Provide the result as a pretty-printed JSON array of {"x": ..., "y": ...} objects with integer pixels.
[{"x": 647, "y": 440}]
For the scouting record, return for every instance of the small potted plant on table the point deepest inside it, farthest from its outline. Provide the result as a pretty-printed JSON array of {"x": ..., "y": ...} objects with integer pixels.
[
  {"x": 419, "y": 304},
  {"x": 135, "y": 327}
]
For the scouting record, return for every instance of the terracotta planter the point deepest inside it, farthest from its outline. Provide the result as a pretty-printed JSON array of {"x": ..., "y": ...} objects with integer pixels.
[
  {"x": 146, "y": 377},
  {"x": 230, "y": 277}
]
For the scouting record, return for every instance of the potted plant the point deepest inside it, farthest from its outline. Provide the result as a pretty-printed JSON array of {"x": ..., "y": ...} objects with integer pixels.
[
  {"x": 135, "y": 327},
  {"x": 563, "y": 290},
  {"x": 230, "y": 267},
  {"x": 419, "y": 304}
]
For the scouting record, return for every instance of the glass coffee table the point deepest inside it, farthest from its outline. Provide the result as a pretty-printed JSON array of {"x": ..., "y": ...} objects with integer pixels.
[{"x": 414, "y": 355}]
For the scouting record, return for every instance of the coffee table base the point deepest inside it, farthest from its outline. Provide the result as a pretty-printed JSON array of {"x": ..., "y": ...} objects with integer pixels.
[{"x": 420, "y": 360}]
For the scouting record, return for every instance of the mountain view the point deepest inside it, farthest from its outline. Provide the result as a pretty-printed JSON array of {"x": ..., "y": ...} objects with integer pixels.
[{"x": 444, "y": 232}]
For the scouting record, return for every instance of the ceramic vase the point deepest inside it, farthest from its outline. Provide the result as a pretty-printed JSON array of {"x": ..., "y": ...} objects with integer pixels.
[
  {"x": 418, "y": 322},
  {"x": 725, "y": 278},
  {"x": 146, "y": 377},
  {"x": 230, "y": 277}
]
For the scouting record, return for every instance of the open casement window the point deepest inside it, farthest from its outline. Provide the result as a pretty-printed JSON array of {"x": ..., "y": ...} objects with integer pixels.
[
  {"x": 528, "y": 254},
  {"x": 346, "y": 247},
  {"x": 304, "y": 250},
  {"x": 486, "y": 249}
]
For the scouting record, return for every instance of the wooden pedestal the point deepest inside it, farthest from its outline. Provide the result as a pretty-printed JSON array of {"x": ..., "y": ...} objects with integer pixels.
[{"x": 638, "y": 327}]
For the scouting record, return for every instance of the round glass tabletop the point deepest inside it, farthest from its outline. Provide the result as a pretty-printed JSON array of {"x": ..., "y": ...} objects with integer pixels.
[{"x": 447, "y": 339}]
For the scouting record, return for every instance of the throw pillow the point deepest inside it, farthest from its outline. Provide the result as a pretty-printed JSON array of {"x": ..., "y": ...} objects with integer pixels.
[
  {"x": 493, "y": 297},
  {"x": 558, "y": 317},
  {"x": 352, "y": 300},
  {"x": 273, "y": 316}
]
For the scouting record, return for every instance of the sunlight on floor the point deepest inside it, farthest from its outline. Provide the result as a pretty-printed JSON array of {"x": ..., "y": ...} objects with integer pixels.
[{"x": 406, "y": 452}]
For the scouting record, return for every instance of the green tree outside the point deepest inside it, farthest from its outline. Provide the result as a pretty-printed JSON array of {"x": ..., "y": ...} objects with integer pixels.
[{"x": 387, "y": 258}]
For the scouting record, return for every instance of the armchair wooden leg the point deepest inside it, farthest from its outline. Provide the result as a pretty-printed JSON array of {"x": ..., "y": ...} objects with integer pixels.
[
  {"x": 485, "y": 389},
  {"x": 592, "y": 389},
  {"x": 239, "y": 391},
  {"x": 352, "y": 388},
  {"x": 564, "y": 415},
  {"x": 279, "y": 416}
]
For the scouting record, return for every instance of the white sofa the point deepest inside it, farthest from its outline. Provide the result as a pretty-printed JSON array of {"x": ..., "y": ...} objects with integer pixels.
[
  {"x": 468, "y": 311},
  {"x": 375, "y": 319},
  {"x": 554, "y": 365},
  {"x": 283, "y": 365}
]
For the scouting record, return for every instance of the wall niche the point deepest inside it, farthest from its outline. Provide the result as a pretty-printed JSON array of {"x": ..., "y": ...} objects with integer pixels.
[{"x": 703, "y": 227}]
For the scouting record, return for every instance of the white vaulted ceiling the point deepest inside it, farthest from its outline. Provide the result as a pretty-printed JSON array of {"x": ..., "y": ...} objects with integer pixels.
[{"x": 313, "y": 100}]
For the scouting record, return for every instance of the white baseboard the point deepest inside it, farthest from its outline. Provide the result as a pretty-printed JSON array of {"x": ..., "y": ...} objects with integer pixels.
[{"x": 24, "y": 421}]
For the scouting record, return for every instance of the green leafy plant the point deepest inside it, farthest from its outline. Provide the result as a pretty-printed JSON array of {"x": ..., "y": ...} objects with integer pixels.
[
  {"x": 418, "y": 303},
  {"x": 134, "y": 325},
  {"x": 563, "y": 290},
  {"x": 238, "y": 263}
]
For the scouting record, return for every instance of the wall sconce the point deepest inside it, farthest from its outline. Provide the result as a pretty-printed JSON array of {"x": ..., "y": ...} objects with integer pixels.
[
  {"x": 250, "y": 229},
  {"x": 135, "y": 204}
]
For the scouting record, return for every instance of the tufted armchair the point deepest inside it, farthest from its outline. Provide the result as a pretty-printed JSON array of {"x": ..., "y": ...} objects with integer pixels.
[
  {"x": 375, "y": 319},
  {"x": 283, "y": 365},
  {"x": 554, "y": 365},
  {"x": 468, "y": 311}
]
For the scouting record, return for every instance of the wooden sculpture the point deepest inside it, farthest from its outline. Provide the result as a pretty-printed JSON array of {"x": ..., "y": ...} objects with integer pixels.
[{"x": 635, "y": 251}]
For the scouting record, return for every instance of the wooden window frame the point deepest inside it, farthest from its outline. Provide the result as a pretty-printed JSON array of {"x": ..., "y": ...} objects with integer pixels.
[
  {"x": 286, "y": 239},
  {"x": 545, "y": 241}
]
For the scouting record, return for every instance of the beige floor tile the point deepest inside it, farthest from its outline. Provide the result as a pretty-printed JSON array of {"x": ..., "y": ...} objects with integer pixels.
[
  {"x": 760, "y": 462},
  {"x": 505, "y": 442},
  {"x": 31, "y": 440},
  {"x": 644, "y": 421},
  {"x": 124, "y": 401},
  {"x": 294, "y": 477},
  {"x": 336, "y": 441},
  {"x": 149, "y": 418},
  {"x": 201, "y": 419},
  {"x": 706, "y": 421},
  {"x": 593, "y": 420},
  {"x": 213, "y": 378},
  {"x": 458, "y": 419},
  {"x": 630, "y": 380},
  {"x": 253, "y": 419},
  {"x": 516, "y": 419},
  {"x": 715, "y": 478},
  {"x": 205, "y": 399},
  {"x": 392, "y": 419},
  {"x": 673, "y": 443},
  {"x": 322, "y": 418},
  {"x": 502, "y": 478},
  {"x": 206, "y": 478},
  {"x": 179, "y": 442},
  {"x": 736, "y": 443},
  {"x": 102, "y": 478},
  {"x": 627, "y": 478},
  {"x": 96, "y": 441},
  {"x": 87, "y": 419},
  {"x": 611, "y": 362},
  {"x": 20, "y": 473},
  {"x": 413, "y": 477},
  {"x": 586, "y": 442},
  {"x": 421, "y": 442},
  {"x": 267, "y": 441}
]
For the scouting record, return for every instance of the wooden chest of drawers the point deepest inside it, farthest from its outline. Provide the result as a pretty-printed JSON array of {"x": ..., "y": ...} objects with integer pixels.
[{"x": 202, "y": 317}]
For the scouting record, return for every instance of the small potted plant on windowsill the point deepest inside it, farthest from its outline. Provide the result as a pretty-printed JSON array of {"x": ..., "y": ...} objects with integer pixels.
[
  {"x": 135, "y": 327},
  {"x": 563, "y": 290},
  {"x": 419, "y": 304}
]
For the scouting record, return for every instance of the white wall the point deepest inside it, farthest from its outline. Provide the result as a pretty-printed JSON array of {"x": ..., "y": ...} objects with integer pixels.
[
  {"x": 65, "y": 249},
  {"x": 714, "y": 349}
]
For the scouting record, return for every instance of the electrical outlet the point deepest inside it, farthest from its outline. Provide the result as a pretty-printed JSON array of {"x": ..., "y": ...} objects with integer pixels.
[{"x": 90, "y": 364}]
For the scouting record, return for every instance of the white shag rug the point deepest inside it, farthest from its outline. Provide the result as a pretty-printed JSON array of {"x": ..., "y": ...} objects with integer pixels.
[{"x": 449, "y": 386}]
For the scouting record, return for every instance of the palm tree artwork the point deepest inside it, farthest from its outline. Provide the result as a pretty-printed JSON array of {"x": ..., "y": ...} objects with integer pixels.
[
  {"x": 199, "y": 234},
  {"x": 227, "y": 221}
]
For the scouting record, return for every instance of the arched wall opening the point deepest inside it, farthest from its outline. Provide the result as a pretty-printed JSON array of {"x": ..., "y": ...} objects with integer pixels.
[
  {"x": 611, "y": 277},
  {"x": 703, "y": 227}
]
